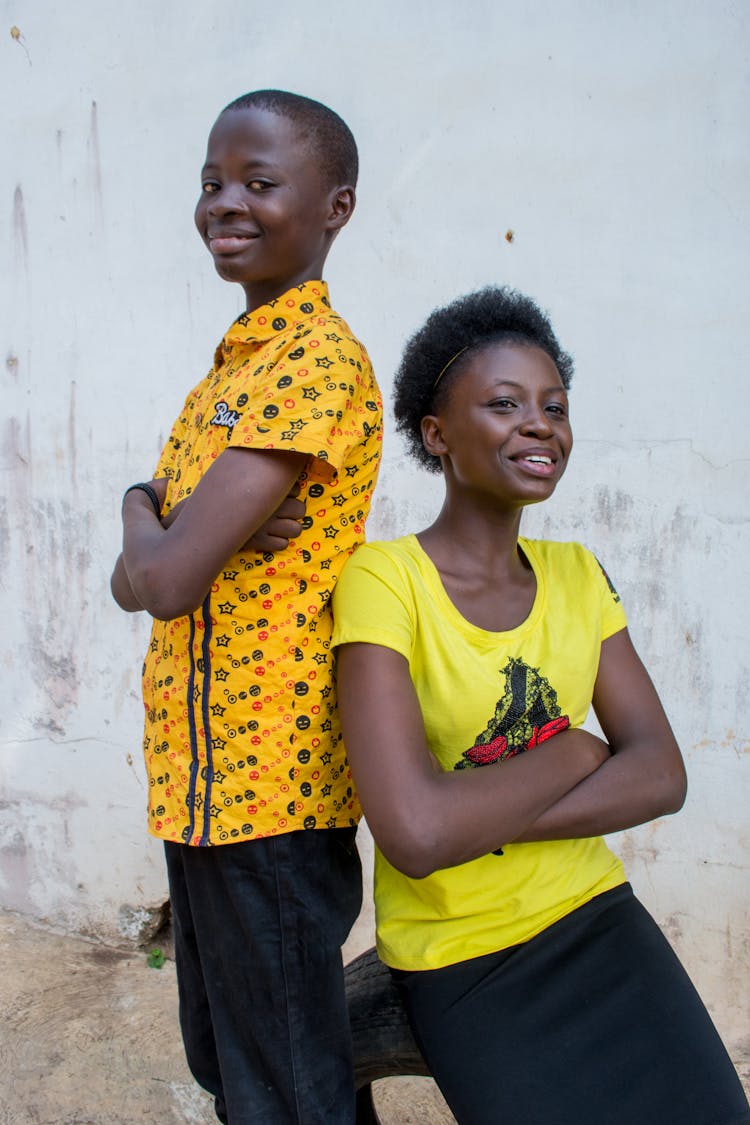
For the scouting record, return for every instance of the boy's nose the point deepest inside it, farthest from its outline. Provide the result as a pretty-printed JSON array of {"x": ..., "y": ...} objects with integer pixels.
[{"x": 228, "y": 199}]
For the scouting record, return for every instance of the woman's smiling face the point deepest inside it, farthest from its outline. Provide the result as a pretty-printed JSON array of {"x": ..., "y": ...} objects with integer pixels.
[{"x": 503, "y": 430}]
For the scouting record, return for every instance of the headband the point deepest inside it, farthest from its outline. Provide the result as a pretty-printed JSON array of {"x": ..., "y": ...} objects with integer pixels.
[{"x": 450, "y": 361}]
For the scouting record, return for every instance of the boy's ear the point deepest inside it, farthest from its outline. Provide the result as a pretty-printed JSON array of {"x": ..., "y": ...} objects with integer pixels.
[
  {"x": 432, "y": 436},
  {"x": 342, "y": 203}
]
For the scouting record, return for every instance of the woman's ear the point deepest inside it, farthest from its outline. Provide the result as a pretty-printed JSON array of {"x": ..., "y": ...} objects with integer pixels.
[{"x": 432, "y": 436}]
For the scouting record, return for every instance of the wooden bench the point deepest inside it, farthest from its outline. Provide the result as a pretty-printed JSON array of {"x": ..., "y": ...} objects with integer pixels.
[{"x": 383, "y": 1043}]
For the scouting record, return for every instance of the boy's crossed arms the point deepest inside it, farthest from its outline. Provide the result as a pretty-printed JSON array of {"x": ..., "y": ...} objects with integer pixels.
[{"x": 246, "y": 499}]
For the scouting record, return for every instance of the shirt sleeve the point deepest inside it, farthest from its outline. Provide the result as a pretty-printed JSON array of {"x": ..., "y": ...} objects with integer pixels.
[
  {"x": 373, "y": 602},
  {"x": 316, "y": 398},
  {"x": 167, "y": 463},
  {"x": 172, "y": 455},
  {"x": 613, "y": 612}
]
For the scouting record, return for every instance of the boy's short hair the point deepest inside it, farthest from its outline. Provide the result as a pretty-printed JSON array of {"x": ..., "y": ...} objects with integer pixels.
[
  {"x": 329, "y": 136},
  {"x": 436, "y": 353}
]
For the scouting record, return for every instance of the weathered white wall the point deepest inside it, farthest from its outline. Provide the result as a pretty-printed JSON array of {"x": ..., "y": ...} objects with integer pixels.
[{"x": 610, "y": 138}]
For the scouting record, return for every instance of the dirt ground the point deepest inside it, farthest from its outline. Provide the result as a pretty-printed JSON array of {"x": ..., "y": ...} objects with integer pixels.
[{"x": 89, "y": 1036}]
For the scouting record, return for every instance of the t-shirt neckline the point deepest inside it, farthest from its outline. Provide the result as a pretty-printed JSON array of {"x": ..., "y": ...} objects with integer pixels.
[{"x": 435, "y": 582}]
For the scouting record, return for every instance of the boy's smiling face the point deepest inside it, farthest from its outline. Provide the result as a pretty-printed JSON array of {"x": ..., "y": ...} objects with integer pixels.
[{"x": 266, "y": 211}]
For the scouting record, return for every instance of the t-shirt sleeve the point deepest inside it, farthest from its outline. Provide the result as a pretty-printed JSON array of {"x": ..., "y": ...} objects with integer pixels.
[
  {"x": 373, "y": 603},
  {"x": 613, "y": 612},
  {"x": 314, "y": 400}
]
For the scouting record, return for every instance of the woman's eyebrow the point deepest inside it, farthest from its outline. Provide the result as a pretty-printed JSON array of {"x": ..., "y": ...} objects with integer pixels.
[{"x": 556, "y": 388}]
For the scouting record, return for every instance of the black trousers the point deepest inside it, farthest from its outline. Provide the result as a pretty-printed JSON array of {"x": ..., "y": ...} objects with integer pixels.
[
  {"x": 593, "y": 1022},
  {"x": 258, "y": 932}
]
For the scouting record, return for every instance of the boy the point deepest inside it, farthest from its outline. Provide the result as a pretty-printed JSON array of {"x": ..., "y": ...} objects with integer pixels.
[{"x": 242, "y": 740}]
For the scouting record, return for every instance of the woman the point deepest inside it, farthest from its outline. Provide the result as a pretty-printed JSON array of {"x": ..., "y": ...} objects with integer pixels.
[{"x": 539, "y": 989}]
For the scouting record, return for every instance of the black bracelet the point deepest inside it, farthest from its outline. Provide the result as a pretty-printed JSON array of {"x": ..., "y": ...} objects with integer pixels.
[{"x": 151, "y": 493}]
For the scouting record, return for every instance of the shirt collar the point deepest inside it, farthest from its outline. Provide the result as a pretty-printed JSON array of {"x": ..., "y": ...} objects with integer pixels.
[{"x": 262, "y": 324}]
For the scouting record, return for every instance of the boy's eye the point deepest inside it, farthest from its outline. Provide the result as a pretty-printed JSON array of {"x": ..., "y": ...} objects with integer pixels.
[
  {"x": 258, "y": 185},
  {"x": 209, "y": 186}
]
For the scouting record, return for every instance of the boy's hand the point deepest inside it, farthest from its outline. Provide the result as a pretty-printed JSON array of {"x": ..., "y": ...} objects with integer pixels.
[
  {"x": 274, "y": 535},
  {"x": 122, "y": 591},
  {"x": 280, "y": 528},
  {"x": 159, "y": 486}
]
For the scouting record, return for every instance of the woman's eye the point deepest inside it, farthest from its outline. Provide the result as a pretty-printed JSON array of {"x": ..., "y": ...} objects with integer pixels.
[
  {"x": 557, "y": 408},
  {"x": 502, "y": 404}
]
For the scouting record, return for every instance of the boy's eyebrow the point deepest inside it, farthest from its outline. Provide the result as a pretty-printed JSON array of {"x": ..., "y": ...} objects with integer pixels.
[{"x": 258, "y": 162}]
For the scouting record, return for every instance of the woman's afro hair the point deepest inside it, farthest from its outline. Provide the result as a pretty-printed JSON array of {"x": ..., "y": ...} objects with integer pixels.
[{"x": 437, "y": 352}]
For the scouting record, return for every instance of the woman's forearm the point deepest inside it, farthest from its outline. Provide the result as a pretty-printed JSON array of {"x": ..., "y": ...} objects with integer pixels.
[
  {"x": 633, "y": 786},
  {"x": 461, "y": 815},
  {"x": 645, "y": 776},
  {"x": 424, "y": 818}
]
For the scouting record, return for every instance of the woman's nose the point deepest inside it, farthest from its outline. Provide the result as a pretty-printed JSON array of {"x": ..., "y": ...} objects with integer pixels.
[{"x": 535, "y": 420}]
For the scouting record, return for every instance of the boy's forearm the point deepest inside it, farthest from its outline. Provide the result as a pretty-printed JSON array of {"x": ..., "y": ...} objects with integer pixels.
[
  {"x": 121, "y": 589},
  {"x": 143, "y": 564},
  {"x": 172, "y": 563}
]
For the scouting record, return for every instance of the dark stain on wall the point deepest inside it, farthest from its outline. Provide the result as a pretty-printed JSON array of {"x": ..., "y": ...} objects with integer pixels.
[
  {"x": 96, "y": 165},
  {"x": 20, "y": 227}
]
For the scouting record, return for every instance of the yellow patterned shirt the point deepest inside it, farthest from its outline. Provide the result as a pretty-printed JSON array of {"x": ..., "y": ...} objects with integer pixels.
[{"x": 242, "y": 738}]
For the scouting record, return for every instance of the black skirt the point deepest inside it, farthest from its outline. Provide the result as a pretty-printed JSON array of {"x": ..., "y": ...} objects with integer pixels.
[{"x": 592, "y": 1022}]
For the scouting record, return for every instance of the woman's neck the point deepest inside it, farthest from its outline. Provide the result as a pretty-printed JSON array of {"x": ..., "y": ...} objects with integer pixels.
[
  {"x": 483, "y": 572},
  {"x": 471, "y": 543}
]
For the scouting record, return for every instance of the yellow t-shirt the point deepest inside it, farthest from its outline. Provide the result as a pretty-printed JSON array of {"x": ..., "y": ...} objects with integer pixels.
[
  {"x": 485, "y": 697},
  {"x": 241, "y": 736}
]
